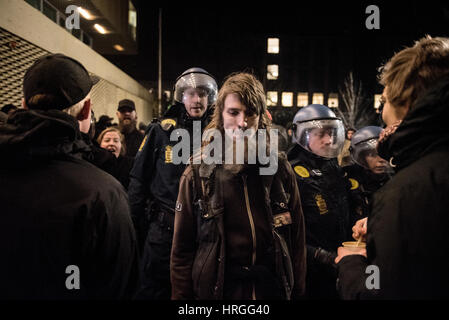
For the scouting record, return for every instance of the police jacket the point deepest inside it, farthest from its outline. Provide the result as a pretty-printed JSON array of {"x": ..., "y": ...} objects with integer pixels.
[
  {"x": 231, "y": 228},
  {"x": 364, "y": 184},
  {"x": 407, "y": 230},
  {"x": 324, "y": 198},
  {"x": 154, "y": 178},
  {"x": 59, "y": 212}
]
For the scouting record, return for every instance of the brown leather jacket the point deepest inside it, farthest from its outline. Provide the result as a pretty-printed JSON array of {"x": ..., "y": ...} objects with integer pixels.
[{"x": 224, "y": 226}]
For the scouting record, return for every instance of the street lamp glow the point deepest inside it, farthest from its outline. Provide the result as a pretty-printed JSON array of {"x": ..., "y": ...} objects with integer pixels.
[
  {"x": 118, "y": 47},
  {"x": 100, "y": 28},
  {"x": 85, "y": 13}
]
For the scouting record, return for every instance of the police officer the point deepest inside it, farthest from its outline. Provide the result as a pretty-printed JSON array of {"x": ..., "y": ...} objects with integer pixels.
[
  {"x": 368, "y": 173},
  {"x": 319, "y": 136},
  {"x": 154, "y": 179}
]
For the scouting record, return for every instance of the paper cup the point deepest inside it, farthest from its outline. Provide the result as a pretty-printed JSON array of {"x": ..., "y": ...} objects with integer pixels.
[{"x": 352, "y": 245}]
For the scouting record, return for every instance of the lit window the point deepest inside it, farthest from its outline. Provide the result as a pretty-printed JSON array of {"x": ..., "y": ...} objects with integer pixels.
[
  {"x": 303, "y": 99},
  {"x": 332, "y": 102},
  {"x": 273, "y": 45},
  {"x": 377, "y": 101},
  {"x": 132, "y": 20},
  {"x": 272, "y": 72},
  {"x": 318, "y": 98},
  {"x": 272, "y": 98},
  {"x": 287, "y": 99}
]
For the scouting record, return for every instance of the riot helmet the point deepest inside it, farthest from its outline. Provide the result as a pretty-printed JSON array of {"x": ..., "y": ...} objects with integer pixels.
[
  {"x": 318, "y": 130},
  {"x": 196, "y": 78}
]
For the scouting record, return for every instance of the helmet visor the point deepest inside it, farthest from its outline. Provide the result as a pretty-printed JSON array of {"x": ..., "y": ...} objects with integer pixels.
[
  {"x": 204, "y": 84},
  {"x": 365, "y": 154},
  {"x": 325, "y": 138}
]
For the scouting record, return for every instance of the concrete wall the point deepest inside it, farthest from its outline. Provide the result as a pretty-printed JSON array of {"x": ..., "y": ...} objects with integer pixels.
[{"x": 24, "y": 21}]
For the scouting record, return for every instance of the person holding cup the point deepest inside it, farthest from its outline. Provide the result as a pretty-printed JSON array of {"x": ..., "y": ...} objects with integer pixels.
[{"x": 406, "y": 234}]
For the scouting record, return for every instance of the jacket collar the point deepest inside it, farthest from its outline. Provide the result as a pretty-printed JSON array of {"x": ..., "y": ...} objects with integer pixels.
[
  {"x": 423, "y": 129},
  {"x": 30, "y": 135}
]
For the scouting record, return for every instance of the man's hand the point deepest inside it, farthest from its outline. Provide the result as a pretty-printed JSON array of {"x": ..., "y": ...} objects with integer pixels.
[
  {"x": 359, "y": 229},
  {"x": 343, "y": 252}
]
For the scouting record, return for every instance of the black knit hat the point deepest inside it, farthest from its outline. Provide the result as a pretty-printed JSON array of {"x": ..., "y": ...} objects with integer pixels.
[
  {"x": 63, "y": 80},
  {"x": 126, "y": 104}
]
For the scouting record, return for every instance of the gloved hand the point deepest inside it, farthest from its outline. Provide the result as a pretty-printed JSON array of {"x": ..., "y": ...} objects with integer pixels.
[{"x": 325, "y": 257}]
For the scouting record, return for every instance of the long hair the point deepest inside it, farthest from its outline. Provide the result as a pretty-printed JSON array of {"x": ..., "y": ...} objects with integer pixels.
[{"x": 250, "y": 93}]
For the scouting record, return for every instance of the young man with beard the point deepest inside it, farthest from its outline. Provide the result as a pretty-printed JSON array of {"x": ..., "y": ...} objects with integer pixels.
[
  {"x": 127, "y": 123},
  {"x": 154, "y": 179},
  {"x": 238, "y": 234}
]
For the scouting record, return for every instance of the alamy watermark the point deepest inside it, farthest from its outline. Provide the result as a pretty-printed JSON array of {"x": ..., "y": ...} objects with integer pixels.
[
  {"x": 373, "y": 20},
  {"x": 373, "y": 280},
  {"x": 73, "y": 280},
  {"x": 240, "y": 147},
  {"x": 73, "y": 19}
]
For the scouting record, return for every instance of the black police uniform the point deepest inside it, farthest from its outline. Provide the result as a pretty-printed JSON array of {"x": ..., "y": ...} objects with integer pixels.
[
  {"x": 153, "y": 190},
  {"x": 363, "y": 185},
  {"x": 324, "y": 198}
]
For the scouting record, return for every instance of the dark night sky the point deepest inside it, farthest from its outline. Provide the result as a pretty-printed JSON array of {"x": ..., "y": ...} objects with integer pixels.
[{"x": 224, "y": 40}]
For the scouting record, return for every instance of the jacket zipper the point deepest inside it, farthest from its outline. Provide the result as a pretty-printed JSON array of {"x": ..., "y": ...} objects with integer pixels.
[{"x": 253, "y": 230}]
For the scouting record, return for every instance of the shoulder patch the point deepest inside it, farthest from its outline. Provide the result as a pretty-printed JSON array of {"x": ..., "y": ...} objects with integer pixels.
[
  {"x": 302, "y": 172},
  {"x": 354, "y": 183},
  {"x": 168, "y": 124},
  {"x": 143, "y": 143}
]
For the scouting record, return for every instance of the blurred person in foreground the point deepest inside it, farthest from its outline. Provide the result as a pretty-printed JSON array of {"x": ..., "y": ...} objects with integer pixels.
[{"x": 407, "y": 241}]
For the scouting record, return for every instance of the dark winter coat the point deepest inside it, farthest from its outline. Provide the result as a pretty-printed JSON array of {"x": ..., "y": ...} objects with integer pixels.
[
  {"x": 407, "y": 229},
  {"x": 224, "y": 244},
  {"x": 133, "y": 140},
  {"x": 57, "y": 211}
]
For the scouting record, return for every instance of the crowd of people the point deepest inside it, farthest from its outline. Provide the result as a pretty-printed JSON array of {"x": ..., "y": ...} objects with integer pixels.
[{"x": 113, "y": 202}]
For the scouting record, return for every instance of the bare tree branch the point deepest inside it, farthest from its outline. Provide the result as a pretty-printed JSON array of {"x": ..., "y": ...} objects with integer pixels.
[{"x": 356, "y": 111}]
